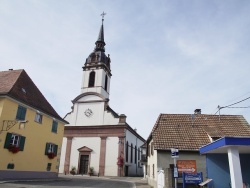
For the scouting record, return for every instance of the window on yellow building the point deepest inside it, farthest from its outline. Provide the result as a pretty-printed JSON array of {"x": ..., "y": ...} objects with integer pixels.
[
  {"x": 14, "y": 140},
  {"x": 49, "y": 166},
  {"x": 38, "y": 117},
  {"x": 54, "y": 126},
  {"x": 21, "y": 113},
  {"x": 51, "y": 148}
]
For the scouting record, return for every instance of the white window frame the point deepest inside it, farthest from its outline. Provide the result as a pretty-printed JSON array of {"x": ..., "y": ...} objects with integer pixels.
[
  {"x": 15, "y": 140},
  {"x": 38, "y": 117}
]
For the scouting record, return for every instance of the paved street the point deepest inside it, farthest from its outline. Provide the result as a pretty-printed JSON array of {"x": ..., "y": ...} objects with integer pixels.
[{"x": 79, "y": 181}]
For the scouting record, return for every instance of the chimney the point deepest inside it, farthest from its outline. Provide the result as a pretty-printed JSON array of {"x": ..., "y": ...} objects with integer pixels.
[
  {"x": 197, "y": 111},
  {"x": 122, "y": 118}
]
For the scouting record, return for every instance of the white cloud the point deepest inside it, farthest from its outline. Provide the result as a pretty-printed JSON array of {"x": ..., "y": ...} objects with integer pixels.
[{"x": 167, "y": 57}]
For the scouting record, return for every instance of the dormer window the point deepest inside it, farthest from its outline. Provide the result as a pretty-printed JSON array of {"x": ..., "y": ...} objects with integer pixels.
[
  {"x": 92, "y": 79},
  {"x": 23, "y": 90}
]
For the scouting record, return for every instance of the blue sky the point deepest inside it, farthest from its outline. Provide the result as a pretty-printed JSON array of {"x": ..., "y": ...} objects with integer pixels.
[{"x": 166, "y": 56}]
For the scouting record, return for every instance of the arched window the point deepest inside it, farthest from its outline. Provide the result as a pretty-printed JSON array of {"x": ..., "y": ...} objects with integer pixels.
[
  {"x": 131, "y": 154},
  {"x": 127, "y": 151},
  {"x": 135, "y": 155},
  {"x": 106, "y": 83},
  {"x": 92, "y": 79}
]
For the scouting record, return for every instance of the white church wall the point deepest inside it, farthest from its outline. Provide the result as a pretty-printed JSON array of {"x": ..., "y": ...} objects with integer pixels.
[
  {"x": 90, "y": 142},
  {"x": 109, "y": 119},
  {"x": 89, "y": 98},
  {"x": 62, "y": 157},
  {"x": 111, "y": 156},
  {"x": 96, "y": 118},
  {"x": 135, "y": 168}
]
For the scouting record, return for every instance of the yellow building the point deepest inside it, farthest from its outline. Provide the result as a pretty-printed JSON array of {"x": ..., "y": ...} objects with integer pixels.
[{"x": 31, "y": 131}]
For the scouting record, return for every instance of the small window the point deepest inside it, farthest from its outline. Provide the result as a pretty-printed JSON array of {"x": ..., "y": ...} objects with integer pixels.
[
  {"x": 149, "y": 151},
  {"x": 49, "y": 166},
  {"x": 10, "y": 166},
  {"x": 92, "y": 79},
  {"x": 38, "y": 117},
  {"x": 54, "y": 126},
  {"x": 152, "y": 148},
  {"x": 131, "y": 156},
  {"x": 51, "y": 148},
  {"x": 127, "y": 151},
  {"x": 106, "y": 83},
  {"x": 21, "y": 113},
  {"x": 135, "y": 155},
  {"x": 139, "y": 154},
  {"x": 153, "y": 170},
  {"x": 14, "y": 140}
]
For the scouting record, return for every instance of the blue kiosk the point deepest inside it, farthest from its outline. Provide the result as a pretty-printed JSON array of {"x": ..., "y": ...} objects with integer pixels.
[{"x": 228, "y": 162}]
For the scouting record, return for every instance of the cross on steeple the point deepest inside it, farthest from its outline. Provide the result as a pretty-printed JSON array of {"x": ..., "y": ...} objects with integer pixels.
[{"x": 102, "y": 15}]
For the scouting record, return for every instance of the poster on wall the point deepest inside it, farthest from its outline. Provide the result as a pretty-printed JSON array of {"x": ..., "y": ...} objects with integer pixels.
[{"x": 187, "y": 166}]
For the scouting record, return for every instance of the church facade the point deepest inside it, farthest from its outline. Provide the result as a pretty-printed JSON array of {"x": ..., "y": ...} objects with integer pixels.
[{"x": 97, "y": 139}]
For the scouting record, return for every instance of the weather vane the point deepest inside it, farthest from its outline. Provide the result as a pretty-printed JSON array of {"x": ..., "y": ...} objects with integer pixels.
[{"x": 103, "y": 14}]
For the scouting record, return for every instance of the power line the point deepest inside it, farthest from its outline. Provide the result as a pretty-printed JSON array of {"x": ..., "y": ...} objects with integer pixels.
[
  {"x": 228, "y": 106},
  {"x": 236, "y": 102},
  {"x": 240, "y": 107}
]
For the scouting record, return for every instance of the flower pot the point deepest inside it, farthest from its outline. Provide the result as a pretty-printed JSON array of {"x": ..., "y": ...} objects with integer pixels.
[{"x": 13, "y": 148}]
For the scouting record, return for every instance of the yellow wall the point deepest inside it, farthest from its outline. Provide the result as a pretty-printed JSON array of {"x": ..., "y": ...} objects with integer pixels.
[{"x": 33, "y": 157}]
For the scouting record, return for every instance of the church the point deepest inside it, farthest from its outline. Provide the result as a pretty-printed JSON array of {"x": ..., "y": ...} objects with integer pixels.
[{"x": 97, "y": 139}]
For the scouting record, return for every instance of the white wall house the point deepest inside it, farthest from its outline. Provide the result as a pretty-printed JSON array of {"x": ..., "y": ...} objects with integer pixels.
[
  {"x": 187, "y": 133},
  {"x": 96, "y": 135}
]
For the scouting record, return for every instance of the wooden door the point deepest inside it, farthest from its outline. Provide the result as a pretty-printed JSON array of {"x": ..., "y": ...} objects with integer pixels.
[{"x": 84, "y": 164}]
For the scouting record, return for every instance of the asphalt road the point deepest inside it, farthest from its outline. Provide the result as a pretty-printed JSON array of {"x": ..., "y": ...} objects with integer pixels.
[{"x": 76, "y": 182}]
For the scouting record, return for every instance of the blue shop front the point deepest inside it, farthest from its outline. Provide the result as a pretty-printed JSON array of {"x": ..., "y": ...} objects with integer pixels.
[{"x": 228, "y": 162}]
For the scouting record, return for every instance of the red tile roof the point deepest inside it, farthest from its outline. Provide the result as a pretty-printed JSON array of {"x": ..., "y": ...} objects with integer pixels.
[
  {"x": 187, "y": 133},
  {"x": 18, "y": 85}
]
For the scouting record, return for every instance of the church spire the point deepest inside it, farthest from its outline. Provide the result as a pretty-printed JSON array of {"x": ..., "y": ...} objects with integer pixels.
[{"x": 100, "y": 40}]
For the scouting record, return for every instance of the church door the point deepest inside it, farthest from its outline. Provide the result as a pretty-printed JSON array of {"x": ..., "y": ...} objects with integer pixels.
[
  {"x": 126, "y": 170},
  {"x": 84, "y": 164}
]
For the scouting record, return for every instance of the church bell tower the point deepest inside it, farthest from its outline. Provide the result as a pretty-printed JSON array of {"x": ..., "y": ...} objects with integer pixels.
[{"x": 96, "y": 70}]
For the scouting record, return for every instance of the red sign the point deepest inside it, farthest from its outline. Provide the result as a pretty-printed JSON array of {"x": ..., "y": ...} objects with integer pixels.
[{"x": 187, "y": 166}]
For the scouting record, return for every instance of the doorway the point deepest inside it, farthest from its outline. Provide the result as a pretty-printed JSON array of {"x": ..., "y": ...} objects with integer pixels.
[
  {"x": 84, "y": 164},
  {"x": 126, "y": 171}
]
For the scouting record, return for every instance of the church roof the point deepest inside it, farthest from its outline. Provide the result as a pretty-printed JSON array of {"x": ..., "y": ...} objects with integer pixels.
[
  {"x": 19, "y": 86},
  {"x": 188, "y": 132},
  {"x": 100, "y": 37},
  {"x": 97, "y": 58}
]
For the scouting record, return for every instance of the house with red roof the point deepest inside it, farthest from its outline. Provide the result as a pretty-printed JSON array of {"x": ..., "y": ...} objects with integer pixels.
[{"x": 188, "y": 133}]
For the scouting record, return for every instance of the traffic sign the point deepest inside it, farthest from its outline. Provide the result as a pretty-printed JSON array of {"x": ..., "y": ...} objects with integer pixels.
[
  {"x": 192, "y": 178},
  {"x": 174, "y": 153}
]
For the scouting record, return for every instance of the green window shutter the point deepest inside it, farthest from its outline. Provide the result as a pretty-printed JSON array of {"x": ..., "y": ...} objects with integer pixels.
[
  {"x": 7, "y": 140},
  {"x": 18, "y": 114},
  {"x": 21, "y": 113},
  {"x": 55, "y": 149},
  {"x": 22, "y": 142},
  {"x": 54, "y": 126},
  {"x": 46, "y": 148}
]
